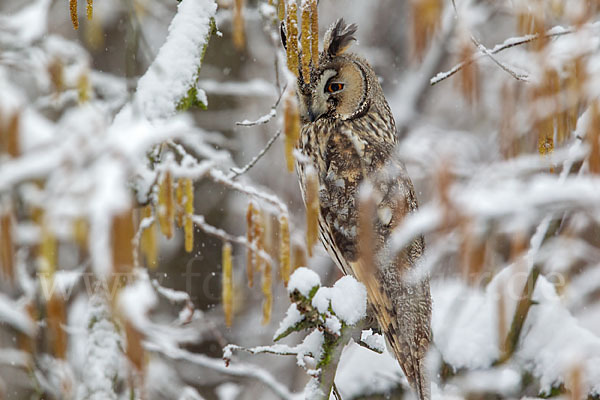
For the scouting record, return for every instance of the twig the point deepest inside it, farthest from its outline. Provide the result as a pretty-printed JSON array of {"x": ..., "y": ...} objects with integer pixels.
[
  {"x": 201, "y": 223},
  {"x": 267, "y": 117},
  {"x": 219, "y": 177},
  {"x": 240, "y": 370},
  {"x": 512, "y": 42},
  {"x": 520, "y": 314},
  {"x": 278, "y": 349},
  {"x": 487, "y": 52},
  {"x": 144, "y": 224},
  {"x": 235, "y": 172}
]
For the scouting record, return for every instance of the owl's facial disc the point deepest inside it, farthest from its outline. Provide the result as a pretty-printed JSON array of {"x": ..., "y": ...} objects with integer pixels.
[{"x": 339, "y": 92}]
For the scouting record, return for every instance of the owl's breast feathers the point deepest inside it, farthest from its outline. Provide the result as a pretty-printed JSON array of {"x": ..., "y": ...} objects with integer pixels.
[{"x": 344, "y": 153}]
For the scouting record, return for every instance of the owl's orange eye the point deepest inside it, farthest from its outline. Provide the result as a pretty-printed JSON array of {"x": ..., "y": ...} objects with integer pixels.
[{"x": 334, "y": 87}]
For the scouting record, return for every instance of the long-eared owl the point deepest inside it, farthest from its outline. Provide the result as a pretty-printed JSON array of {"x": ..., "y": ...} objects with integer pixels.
[{"x": 348, "y": 138}]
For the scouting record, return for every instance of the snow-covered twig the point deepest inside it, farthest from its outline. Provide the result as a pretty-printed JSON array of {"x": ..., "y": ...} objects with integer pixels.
[
  {"x": 235, "y": 172},
  {"x": 487, "y": 52},
  {"x": 507, "y": 44},
  {"x": 238, "y": 370},
  {"x": 219, "y": 177},
  {"x": 201, "y": 223},
  {"x": 267, "y": 117}
]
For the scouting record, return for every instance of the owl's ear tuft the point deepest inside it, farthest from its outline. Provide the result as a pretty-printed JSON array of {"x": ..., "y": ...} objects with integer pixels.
[{"x": 339, "y": 37}]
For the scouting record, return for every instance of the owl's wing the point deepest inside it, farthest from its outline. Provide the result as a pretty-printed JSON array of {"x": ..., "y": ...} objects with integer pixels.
[{"x": 403, "y": 311}]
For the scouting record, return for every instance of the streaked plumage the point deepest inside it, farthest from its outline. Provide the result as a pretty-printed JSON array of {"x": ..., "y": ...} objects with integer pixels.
[{"x": 348, "y": 135}]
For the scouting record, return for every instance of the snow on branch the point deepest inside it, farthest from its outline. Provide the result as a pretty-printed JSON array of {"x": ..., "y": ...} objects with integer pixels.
[
  {"x": 507, "y": 44},
  {"x": 238, "y": 370},
  {"x": 174, "y": 72}
]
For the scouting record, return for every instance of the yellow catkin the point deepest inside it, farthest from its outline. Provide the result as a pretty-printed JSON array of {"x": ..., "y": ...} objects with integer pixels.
[
  {"x": 9, "y": 135},
  {"x": 6, "y": 246},
  {"x": 291, "y": 127},
  {"x": 426, "y": 16},
  {"x": 548, "y": 92},
  {"x": 312, "y": 211},
  {"x": 468, "y": 76},
  {"x": 239, "y": 38},
  {"x": 83, "y": 88},
  {"x": 250, "y": 257},
  {"x": 281, "y": 9},
  {"x": 305, "y": 38},
  {"x": 314, "y": 33},
  {"x": 148, "y": 245},
  {"x": 90, "y": 9},
  {"x": 227, "y": 284},
  {"x": 56, "y": 319},
  {"x": 298, "y": 257},
  {"x": 179, "y": 208},
  {"x": 48, "y": 251},
  {"x": 292, "y": 37},
  {"x": 188, "y": 227},
  {"x": 259, "y": 237},
  {"x": 166, "y": 209},
  {"x": 267, "y": 280},
  {"x": 593, "y": 137},
  {"x": 134, "y": 350},
  {"x": 80, "y": 232},
  {"x": 284, "y": 249},
  {"x": 122, "y": 242},
  {"x": 73, "y": 9}
]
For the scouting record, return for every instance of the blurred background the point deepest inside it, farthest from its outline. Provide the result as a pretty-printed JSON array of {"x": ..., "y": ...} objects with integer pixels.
[{"x": 503, "y": 155}]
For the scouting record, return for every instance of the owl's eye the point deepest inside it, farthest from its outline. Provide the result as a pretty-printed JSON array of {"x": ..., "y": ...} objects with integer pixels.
[{"x": 334, "y": 87}]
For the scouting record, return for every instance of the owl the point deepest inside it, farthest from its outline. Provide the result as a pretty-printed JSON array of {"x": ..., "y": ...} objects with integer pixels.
[{"x": 348, "y": 138}]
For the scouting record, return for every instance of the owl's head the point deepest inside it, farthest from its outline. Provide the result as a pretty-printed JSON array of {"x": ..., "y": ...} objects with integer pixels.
[{"x": 343, "y": 85}]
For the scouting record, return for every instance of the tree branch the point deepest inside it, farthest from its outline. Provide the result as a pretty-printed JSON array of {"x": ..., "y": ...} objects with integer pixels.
[{"x": 508, "y": 43}]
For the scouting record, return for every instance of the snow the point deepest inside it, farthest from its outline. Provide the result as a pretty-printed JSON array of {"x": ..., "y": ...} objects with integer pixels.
[
  {"x": 362, "y": 372},
  {"x": 333, "y": 325},
  {"x": 103, "y": 353},
  {"x": 373, "y": 340},
  {"x": 14, "y": 314},
  {"x": 347, "y": 297},
  {"x": 310, "y": 347},
  {"x": 303, "y": 280},
  {"x": 228, "y": 391},
  {"x": 349, "y": 300},
  {"x": 136, "y": 300},
  {"x": 292, "y": 318},
  {"x": 175, "y": 68}
]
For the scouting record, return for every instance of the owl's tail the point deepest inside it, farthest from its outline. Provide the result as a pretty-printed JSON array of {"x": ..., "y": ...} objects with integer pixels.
[
  {"x": 421, "y": 381},
  {"x": 412, "y": 363}
]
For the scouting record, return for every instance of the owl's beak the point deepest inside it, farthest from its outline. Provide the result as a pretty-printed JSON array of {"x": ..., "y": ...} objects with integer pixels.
[{"x": 316, "y": 108}]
